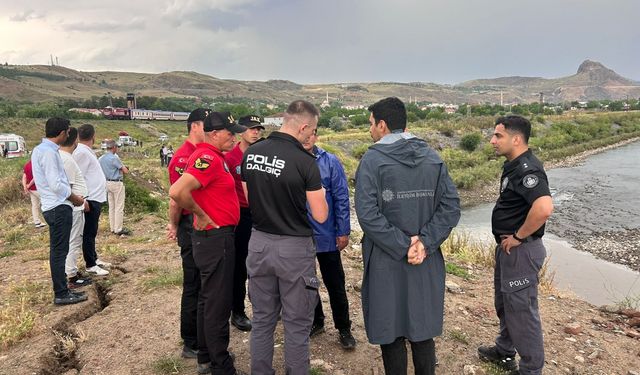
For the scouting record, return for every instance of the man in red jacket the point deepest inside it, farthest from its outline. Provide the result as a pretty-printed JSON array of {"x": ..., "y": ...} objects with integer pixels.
[{"x": 243, "y": 231}]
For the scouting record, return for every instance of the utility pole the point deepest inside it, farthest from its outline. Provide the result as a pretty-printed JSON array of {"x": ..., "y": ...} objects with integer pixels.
[
  {"x": 51, "y": 56},
  {"x": 57, "y": 64}
]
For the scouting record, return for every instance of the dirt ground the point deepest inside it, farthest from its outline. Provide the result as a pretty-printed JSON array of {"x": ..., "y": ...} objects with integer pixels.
[{"x": 130, "y": 325}]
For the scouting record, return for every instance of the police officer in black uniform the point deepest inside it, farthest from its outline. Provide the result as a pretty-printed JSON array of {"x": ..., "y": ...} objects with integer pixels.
[
  {"x": 283, "y": 181},
  {"x": 518, "y": 222}
]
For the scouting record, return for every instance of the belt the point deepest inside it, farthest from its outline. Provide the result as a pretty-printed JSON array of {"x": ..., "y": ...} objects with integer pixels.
[
  {"x": 114, "y": 180},
  {"x": 524, "y": 240},
  {"x": 214, "y": 231}
]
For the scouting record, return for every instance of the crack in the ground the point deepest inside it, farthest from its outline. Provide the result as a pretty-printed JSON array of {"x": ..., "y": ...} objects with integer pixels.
[
  {"x": 120, "y": 268},
  {"x": 64, "y": 357}
]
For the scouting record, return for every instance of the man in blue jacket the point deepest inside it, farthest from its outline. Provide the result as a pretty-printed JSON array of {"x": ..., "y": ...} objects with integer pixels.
[{"x": 331, "y": 237}]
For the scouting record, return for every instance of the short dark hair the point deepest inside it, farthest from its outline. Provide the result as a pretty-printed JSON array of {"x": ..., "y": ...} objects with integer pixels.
[
  {"x": 302, "y": 107},
  {"x": 55, "y": 126},
  {"x": 73, "y": 135},
  {"x": 86, "y": 132},
  {"x": 392, "y": 111},
  {"x": 517, "y": 124}
]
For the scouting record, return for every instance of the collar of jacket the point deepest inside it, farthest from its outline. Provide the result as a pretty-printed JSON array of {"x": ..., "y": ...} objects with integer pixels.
[{"x": 393, "y": 137}]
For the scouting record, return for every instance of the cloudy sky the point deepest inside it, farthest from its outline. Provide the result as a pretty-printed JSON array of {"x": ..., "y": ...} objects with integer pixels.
[{"x": 443, "y": 41}]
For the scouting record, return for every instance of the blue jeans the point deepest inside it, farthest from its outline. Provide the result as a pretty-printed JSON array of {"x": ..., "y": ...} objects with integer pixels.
[{"x": 60, "y": 220}]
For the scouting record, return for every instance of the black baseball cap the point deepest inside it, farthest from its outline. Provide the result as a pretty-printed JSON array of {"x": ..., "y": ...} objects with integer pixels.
[
  {"x": 198, "y": 114},
  {"x": 251, "y": 121},
  {"x": 222, "y": 120}
]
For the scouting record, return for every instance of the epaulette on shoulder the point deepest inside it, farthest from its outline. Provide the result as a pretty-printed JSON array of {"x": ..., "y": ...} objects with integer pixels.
[{"x": 528, "y": 164}]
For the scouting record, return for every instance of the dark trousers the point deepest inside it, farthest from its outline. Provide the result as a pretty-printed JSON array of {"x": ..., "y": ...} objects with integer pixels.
[
  {"x": 190, "y": 285},
  {"x": 60, "y": 220},
  {"x": 89, "y": 233},
  {"x": 394, "y": 357},
  {"x": 214, "y": 256},
  {"x": 242, "y": 236},
  {"x": 333, "y": 278},
  {"x": 516, "y": 302}
]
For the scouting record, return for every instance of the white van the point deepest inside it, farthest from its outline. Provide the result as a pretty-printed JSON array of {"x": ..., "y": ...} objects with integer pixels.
[{"x": 14, "y": 145}]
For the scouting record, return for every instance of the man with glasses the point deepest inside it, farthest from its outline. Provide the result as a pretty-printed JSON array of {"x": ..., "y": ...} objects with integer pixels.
[
  {"x": 207, "y": 189},
  {"x": 243, "y": 231}
]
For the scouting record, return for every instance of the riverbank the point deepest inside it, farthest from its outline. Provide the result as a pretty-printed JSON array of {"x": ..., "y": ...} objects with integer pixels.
[
  {"x": 489, "y": 193},
  {"x": 570, "y": 219},
  {"x": 130, "y": 325}
]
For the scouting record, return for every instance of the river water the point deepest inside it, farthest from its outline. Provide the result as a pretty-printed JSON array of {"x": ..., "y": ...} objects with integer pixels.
[{"x": 600, "y": 195}]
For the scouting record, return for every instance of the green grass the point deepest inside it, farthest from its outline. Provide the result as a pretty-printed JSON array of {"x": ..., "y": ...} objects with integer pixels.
[
  {"x": 316, "y": 371},
  {"x": 459, "y": 336},
  {"x": 7, "y": 253},
  {"x": 115, "y": 252},
  {"x": 454, "y": 269},
  {"x": 168, "y": 365},
  {"x": 18, "y": 312},
  {"x": 462, "y": 247},
  {"x": 162, "y": 277}
]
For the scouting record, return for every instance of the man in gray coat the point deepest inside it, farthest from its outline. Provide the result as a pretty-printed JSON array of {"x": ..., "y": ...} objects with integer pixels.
[{"x": 406, "y": 205}]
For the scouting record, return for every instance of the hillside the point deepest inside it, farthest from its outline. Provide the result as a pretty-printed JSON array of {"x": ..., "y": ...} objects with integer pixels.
[
  {"x": 592, "y": 81},
  {"x": 37, "y": 83}
]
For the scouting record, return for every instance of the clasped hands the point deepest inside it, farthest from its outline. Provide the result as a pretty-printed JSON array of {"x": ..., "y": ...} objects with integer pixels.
[{"x": 416, "y": 253}]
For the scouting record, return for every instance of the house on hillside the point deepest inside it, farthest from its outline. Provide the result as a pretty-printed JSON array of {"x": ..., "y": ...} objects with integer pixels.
[{"x": 276, "y": 119}]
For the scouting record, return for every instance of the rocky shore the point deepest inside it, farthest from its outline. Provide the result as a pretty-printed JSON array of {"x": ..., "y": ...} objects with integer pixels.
[{"x": 576, "y": 221}]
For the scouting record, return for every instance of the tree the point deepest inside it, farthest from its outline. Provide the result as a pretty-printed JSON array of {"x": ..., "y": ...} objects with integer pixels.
[{"x": 471, "y": 141}]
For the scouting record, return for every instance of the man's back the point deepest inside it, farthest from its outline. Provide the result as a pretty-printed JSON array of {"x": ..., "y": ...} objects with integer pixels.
[
  {"x": 278, "y": 173},
  {"x": 92, "y": 172}
]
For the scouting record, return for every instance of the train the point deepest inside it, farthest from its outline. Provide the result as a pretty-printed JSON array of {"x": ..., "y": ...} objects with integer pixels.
[{"x": 114, "y": 113}]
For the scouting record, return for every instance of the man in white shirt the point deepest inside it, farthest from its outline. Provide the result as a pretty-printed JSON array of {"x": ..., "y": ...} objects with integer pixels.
[
  {"x": 97, "y": 195},
  {"x": 78, "y": 187}
]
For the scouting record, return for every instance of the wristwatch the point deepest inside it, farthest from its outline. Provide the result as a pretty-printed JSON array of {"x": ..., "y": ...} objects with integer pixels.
[{"x": 518, "y": 238}]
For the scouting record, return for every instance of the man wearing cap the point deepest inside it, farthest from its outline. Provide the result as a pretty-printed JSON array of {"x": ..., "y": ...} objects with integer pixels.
[
  {"x": 331, "y": 237},
  {"x": 180, "y": 227},
  {"x": 243, "y": 231},
  {"x": 281, "y": 179},
  {"x": 114, "y": 170},
  {"x": 207, "y": 189}
]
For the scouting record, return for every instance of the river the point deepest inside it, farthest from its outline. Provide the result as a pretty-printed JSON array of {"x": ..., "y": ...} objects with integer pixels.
[{"x": 597, "y": 211}]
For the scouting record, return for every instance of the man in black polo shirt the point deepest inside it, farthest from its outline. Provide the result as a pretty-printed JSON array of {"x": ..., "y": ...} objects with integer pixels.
[
  {"x": 518, "y": 221},
  {"x": 280, "y": 178}
]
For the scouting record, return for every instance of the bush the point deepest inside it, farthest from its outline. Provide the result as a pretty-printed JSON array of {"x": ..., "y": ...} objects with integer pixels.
[
  {"x": 359, "y": 150},
  {"x": 138, "y": 199},
  {"x": 471, "y": 141}
]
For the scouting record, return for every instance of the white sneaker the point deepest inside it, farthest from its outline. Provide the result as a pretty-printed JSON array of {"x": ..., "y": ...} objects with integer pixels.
[
  {"x": 96, "y": 270},
  {"x": 103, "y": 264}
]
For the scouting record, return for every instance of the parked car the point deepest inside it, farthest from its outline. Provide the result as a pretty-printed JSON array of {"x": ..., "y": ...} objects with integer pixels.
[
  {"x": 125, "y": 140},
  {"x": 163, "y": 138}
]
